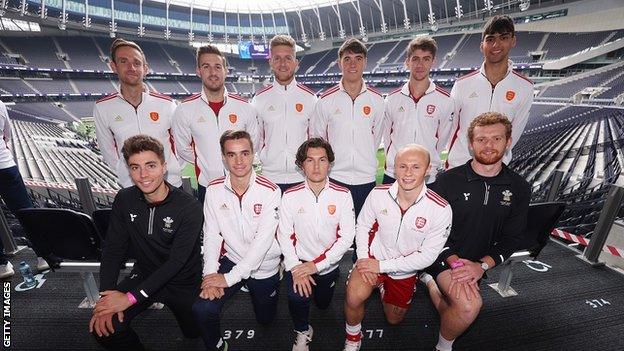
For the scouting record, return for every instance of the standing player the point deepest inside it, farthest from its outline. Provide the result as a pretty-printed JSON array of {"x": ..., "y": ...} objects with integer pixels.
[
  {"x": 494, "y": 87},
  {"x": 202, "y": 118},
  {"x": 490, "y": 204},
  {"x": 12, "y": 189},
  {"x": 401, "y": 229},
  {"x": 132, "y": 111},
  {"x": 284, "y": 109},
  {"x": 317, "y": 226},
  {"x": 241, "y": 211},
  {"x": 161, "y": 224},
  {"x": 419, "y": 112},
  {"x": 350, "y": 116}
]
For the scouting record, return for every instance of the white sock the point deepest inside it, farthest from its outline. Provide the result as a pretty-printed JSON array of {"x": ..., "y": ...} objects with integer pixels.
[
  {"x": 353, "y": 330},
  {"x": 425, "y": 278},
  {"x": 220, "y": 342},
  {"x": 443, "y": 344}
]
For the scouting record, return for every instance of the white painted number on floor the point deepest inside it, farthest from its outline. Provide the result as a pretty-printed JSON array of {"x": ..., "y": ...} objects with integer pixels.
[
  {"x": 373, "y": 333},
  {"x": 537, "y": 265},
  {"x": 595, "y": 303},
  {"x": 238, "y": 334},
  {"x": 39, "y": 278}
]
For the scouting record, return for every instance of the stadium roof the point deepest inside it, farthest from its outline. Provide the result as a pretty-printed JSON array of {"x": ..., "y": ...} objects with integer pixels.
[{"x": 258, "y": 6}]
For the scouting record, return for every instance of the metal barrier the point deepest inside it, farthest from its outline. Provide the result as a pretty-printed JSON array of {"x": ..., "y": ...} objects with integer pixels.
[{"x": 603, "y": 226}]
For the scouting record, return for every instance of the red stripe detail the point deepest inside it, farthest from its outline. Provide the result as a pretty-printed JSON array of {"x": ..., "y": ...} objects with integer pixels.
[
  {"x": 266, "y": 185},
  {"x": 373, "y": 90},
  {"x": 236, "y": 97},
  {"x": 171, "y": 141},
  {"x": 435, "y": 200},
  {"x": 160, "y": 96},
  {"x": 468, "y": 75},
  {"x": 371, "y": 236},
  {"x": 223, "y": 252},
  {"x": 217, "y": 181},
  {"x": 338, "y": 187},
  {"x": 293, "y": 237},
  {"x": 267, "y": 182},
  {"x": 264, "y": 89},
  {"x": 436, "y": 195},
  {"x": 106, "y": 98},
  {"x": 330, "y": 91},
  {"x": 383, "y": 187},
  {"x": 612, "y": 250},
  {"x": 306, "y": 89},
  {"x": 522, "y": 76},
  {"x": 197, "y": 169},
  {"x": 395, "y": 91},
  {"x": 294, "y": 188},
  {"x": 443, "y": 92},
  {"x": 354, "y": 338},
  {"x": 323, "y": 256},
  {"x": 191, "y": 98}
]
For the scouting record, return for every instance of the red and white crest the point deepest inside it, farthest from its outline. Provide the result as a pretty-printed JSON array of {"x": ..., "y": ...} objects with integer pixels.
[
  {"x": 420, "y": 222},
  {"x": 257, "y": 208},
  {"x": 431, "y": 109}
]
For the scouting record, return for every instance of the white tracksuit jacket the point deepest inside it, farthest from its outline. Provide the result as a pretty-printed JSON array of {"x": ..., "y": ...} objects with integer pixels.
[
  {"x": 242, "y": 229},
  {"x": 117, "y": 120},
  {"x": 427, "y": 122},
  {"x": 473, "y": 95},
  {"x": 284, "y": 120},
  {"x": 354, "y": 129},
  {"x": 197, "y": 131},
  {"x": 318, "y": 229},
  {"x": 404, "y": 243}
]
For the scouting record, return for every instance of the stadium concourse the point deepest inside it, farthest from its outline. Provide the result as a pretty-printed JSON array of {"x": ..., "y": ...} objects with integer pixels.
[{"x": 54, "y": 65}]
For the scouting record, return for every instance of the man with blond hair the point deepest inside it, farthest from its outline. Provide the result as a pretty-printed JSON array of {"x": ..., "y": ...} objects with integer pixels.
[{"x": 284, "y": 110}]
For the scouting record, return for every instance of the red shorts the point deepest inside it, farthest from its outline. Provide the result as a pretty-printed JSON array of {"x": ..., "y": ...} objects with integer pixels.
[{"x": 397, "y": 292}]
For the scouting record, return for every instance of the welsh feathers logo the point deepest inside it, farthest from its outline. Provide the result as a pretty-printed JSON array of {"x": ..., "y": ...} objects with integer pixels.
[
  {"x": 154, "y": 116},
  {"x": 168, "y": 221},
  {"x": 420, "y": 222},
  {"x": 367, "y": 110},
  {"x": 431, "y": 109},
  {"x": 299, "y": 107},
  {"x": 510, "y": 95},
  {"x": 233, "y": 118},
  {"x": 257, "y": 208},
  {"x": 331, "y": 209}
]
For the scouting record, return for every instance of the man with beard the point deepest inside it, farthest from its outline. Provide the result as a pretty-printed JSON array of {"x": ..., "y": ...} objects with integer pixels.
[
  {"x": 161, "y": 224},
  {"x": 494, "y": 87},
  {"x": 201, "y": 119},
  {"x": 419, "y": 112},
  {"x": 490, "y": 204},
  {"x": 284, "y": 109},
  {"x": 131, "y": 111}
]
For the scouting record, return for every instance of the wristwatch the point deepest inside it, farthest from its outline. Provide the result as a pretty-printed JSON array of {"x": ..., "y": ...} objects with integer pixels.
[{"x": 484, "y": 266}]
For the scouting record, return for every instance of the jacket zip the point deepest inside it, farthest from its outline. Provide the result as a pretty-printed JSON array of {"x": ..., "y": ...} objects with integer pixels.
[
  {"x": 487, "y": 193},
  {"x": 402, "y": 214},
  {"x": 150, "y": 225}
]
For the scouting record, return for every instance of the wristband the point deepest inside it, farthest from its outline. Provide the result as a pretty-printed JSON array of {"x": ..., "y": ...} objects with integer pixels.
[
  {"x": 457, "y": 264},
  {"x": 131, "y": 298}
]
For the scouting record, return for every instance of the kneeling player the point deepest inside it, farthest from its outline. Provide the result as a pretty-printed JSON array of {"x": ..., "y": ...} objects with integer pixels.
[
  {"x": 241, "y": 211},
  {"x": 401, "y": 229},
  {"x": 317, "y": 226}
]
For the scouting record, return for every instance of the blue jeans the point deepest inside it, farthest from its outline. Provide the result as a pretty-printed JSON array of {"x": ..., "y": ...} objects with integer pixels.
[
  {"x": 264, "y": 295},
  {"x": 13, "y": 192},
  {"x": 322, "y": 293}
]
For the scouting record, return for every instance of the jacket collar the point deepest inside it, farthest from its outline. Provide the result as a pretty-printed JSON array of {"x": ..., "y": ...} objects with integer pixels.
[
  {"x": 394, "y": 192},
  {"x": 362, "y": 90},
  {"x": 167, "y": 199},
  {"x": 228, "y": 181},
  {"x": 284, "y": 88},
  {"x": 225, "y": 94},
  {"x": 502, "y": 177},
  {"x": 510, "y": 66},
  {"x": 405, "y": 90}
]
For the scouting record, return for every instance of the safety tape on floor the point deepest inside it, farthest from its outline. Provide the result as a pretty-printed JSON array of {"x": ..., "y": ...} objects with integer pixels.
[{"x": 615, "y": 251}]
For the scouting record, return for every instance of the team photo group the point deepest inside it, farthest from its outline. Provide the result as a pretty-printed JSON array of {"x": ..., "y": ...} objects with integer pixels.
[{"x": 447, "y": 211}]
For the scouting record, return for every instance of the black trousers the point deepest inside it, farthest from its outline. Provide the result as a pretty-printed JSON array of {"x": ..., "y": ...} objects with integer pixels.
[{"x": 178, "y": 298}]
